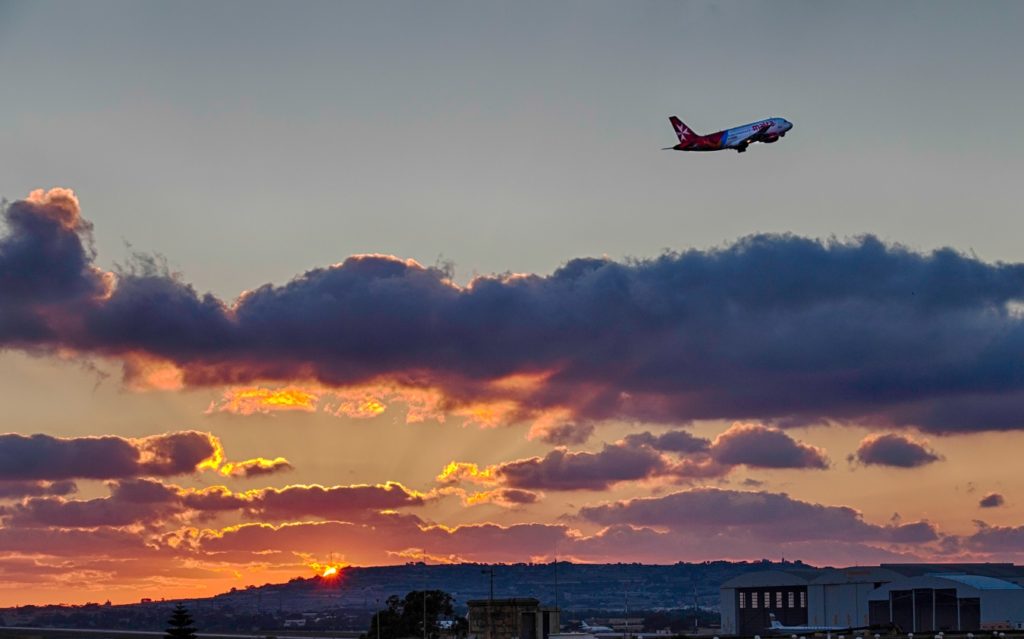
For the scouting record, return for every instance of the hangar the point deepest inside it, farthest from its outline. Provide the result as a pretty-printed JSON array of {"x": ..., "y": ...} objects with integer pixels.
[
  {"x": 801, "y": 595},
  {"x": 948, "y": 602}
]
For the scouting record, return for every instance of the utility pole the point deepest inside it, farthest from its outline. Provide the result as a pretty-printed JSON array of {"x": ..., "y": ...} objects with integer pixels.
[
  {"x": 625, "y": 599},
  {"x": 696, "y": 623},
  {"x": 556, "y": 575},
  {"x": 378, "y": 617},
  {"x": 424, "y": 614}
]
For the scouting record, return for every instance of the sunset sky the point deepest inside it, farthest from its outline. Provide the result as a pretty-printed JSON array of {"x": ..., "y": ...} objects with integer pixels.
[{"x": 401, "y": 281}]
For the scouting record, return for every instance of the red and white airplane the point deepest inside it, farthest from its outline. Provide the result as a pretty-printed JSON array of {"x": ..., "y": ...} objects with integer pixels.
[{"x": 738, "y": 138}]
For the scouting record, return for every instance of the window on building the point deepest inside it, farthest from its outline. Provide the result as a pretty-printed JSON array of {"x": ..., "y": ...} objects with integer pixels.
[
  {"x": 743, "y": 600},
  {"x": 778, "y": 600},
  {"x": 791, "y": 603},
  {"x": 753, "y": 600},
  {"x": 803, "y": 599}
]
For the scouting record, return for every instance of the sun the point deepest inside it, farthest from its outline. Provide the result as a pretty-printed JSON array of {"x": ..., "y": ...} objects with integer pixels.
[{"x": 331, "y": 570}]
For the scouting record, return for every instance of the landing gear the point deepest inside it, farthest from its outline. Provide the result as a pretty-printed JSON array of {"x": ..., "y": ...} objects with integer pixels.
[{"x": 741, "y": 149}]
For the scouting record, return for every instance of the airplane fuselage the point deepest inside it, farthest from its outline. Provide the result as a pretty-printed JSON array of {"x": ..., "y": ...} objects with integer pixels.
[{"x": 737, "y": 138}]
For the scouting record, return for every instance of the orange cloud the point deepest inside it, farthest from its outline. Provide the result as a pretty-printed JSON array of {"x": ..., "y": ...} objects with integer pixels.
[
  {"x": 253, "y": 400},
  {"x": 492, "y": 403},
  {"x": 144, "y": 373},
  {"x": 254, "y": 467},
  {"x": 456, "y": 472},
  {"x": 61, "y": 205},
  {"x": 418, "y": 554},
  {"x": 504, "y": 497}
]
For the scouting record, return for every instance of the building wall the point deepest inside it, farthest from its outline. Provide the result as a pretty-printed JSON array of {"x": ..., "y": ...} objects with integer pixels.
[
  {"x": 505, "y": 619},
  {"x": 838, "y": 604},
  {"x": 754, "y": 607},
  {"x": 727, "y": 606},
  {"x": 950, "y": 608},
  {"x": 1003, "y": 606}
]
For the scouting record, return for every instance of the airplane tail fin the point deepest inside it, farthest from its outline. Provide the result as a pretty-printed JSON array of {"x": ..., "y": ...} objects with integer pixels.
[
  {"x": 774, "y": 622},
  {"x": 683, "y": 132}
]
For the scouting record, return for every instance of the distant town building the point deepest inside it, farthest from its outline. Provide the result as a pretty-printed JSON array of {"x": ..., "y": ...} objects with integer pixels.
[
  {"x": 915, "y": 597},
  {"x": 515, "y": 618}
]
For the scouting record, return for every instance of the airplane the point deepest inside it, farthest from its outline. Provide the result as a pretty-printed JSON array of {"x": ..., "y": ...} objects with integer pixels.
[
  {"x": 776, "y": 627},
  {"x": 585, "y": 627},
  {"x": 738, "y": 138}
]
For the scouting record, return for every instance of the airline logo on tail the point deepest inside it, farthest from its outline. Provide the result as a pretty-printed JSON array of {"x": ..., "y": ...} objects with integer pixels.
[{"x": 683, "y": 132}]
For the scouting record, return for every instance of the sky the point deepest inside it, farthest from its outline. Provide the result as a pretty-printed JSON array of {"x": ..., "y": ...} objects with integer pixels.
[{"x": 385, "y": 282}]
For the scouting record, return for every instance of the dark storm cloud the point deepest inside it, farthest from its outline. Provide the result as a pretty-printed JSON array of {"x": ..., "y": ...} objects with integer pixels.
[
  {"x": 759, "y": 446},
  {"x": 894, "y": 450},
  {"x": 991, "y": 500},
  {"x": 771, "y": 327},
  {"x": 44, "y": 457}
]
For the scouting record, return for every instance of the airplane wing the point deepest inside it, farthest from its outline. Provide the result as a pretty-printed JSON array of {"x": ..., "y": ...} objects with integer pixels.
[{"x": 753, "y": 136}]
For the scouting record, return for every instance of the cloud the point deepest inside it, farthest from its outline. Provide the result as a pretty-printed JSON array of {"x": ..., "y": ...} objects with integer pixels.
[
  {"x": 152, "y": 503},
  {"x": 252, "y": 400},
  {"x": 760, "y": 446},
  {"x": 741, "y": 514},
  {"x": 456, "y": 472},
  {"x": 676, "y": 455},
  {"x": 564, "y": 470},
  {"x": 504, "y": 497},
  {"x": 44, "y": 457},
  {"x": 74, "y": 543},
  {"x": 388, "y": 537},
  {"x": 675, "y": 441},
  {"x": 257, "y": 467},
  {"x": 374, "y": 542},
  {"x": 1005, "y": 540},
  {"x": 561, "y": 434},
  {"x": 329, "y": 502},
  {"x": 18, "y": 489},
  {"x": 771, "y": 327},
  {"x": 991, "y": 500},
  {"x": 895, "y": 450}
]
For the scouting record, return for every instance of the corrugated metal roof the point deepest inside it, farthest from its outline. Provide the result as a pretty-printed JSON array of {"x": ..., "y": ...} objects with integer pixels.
[{"x": 979, "y": 582}]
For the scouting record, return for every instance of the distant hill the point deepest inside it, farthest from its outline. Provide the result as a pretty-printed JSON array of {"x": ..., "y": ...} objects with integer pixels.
[
  {"x": 579, "y": 586},
  {"x": 348, "y": 600}
]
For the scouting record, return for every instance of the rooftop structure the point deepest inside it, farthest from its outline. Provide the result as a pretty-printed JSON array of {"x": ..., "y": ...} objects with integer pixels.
[{"x": 514, "y": 618}]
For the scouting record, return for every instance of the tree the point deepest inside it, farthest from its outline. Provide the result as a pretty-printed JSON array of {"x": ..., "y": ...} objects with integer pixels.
[
  {"x": 180, "y": 624},
  {"x": 404, "y": 617}
]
